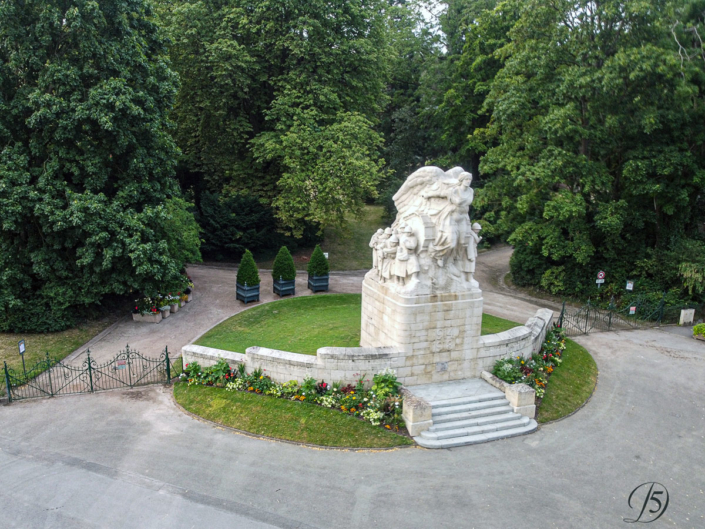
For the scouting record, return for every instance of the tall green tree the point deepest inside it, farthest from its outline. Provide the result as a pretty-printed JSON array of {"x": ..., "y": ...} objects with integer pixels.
[
  {"x": 86, "y": 160},
  {"x": 268, "y": 87},
  {"x": 600, "y": 131}
]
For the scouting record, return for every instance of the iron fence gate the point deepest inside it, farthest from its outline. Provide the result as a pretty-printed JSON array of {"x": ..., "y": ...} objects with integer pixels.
[
  {"x": 48, "y": 378},
  {"x": 640, "y": 312}
]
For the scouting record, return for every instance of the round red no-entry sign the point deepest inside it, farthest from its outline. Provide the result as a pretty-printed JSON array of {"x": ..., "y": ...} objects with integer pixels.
[{"x": 600, "y": 275}]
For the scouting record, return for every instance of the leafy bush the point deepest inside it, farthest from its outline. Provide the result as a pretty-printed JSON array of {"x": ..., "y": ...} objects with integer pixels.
[
  {"x": 284, "y": 266},
  {"x": 699, "y": 329},
  {"x": 215, "y": 375},
  {"x": 318, "y": 265},
  {"x": 247, "y": 271}
]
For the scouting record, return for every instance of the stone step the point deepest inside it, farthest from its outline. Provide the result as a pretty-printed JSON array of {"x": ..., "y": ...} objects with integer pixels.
[
  {"x": 452, "y": 417},
  {"x": 473, "y": 406},
  {"x": 469, "y": 423},
  {"x": 516, "y": 422},
  {"x": 476, "y": 439},
  {"x": 466, "y": 400}
]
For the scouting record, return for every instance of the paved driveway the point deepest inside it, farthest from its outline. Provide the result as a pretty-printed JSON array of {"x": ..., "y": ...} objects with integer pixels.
[{"x": 132, "y": 459}]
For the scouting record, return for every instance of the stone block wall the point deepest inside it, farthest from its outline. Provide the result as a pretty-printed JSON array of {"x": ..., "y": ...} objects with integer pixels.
[{"x": 437, "y": 335}]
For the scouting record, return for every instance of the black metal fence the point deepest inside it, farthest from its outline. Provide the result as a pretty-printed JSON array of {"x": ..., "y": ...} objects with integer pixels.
[
  {"x": 49, "y": 378},
  {"x": 639, "y": 313}
]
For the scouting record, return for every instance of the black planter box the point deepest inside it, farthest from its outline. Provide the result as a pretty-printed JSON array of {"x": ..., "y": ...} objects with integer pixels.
[
  {"x": 318, "y": 283},
  {"x": 246, "y": 294},
  {"x": 285, "y": 288}
]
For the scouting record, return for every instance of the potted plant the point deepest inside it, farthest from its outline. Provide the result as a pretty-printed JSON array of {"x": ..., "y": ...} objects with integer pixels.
[
  {"x": 284, "y": 273},
  {"x": 164, "y": 307},
  {"x": 318, "y": 269},
  {"x": 247, "y": 286},
  {"x": 174, "y": 302},
  {"x": 145, "y": 310},
  {"x": 699, "y": 331},
  {"x": 189, "y": 289}
]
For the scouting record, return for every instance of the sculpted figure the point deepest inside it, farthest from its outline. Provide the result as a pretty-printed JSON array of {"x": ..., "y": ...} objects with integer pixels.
[
  {"x": 452, "y": 219},
  {"x": 407, "y": 266},
  {"x": 472, "y": 253},
  {"x": 379, "y": 250},
  {"x": 373, "y": 245},
  {"x": 390, "y": 252},
  {"x": 431, "y": 246}
]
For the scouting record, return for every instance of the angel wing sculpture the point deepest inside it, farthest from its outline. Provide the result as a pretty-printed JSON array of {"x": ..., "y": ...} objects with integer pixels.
[{"x": 432, "y": 232}]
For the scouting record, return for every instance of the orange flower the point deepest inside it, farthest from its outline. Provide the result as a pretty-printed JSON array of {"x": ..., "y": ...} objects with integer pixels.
[{"x": 387, "y": 426}]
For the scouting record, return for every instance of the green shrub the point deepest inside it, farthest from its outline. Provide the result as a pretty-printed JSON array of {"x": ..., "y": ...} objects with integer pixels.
[
  {"x": 247, "y": 271},
  {"x": 318, "y": 265},
  {"x": 699, "y": 329},
  {"x": 284, "y": 266}
]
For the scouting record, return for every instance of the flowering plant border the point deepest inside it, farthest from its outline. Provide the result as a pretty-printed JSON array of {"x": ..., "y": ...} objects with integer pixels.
[
  {"x": 536, "y": 371},
  {"x": 381, "y": 404}
]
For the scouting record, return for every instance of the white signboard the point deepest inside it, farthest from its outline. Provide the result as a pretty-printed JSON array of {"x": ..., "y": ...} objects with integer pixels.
[
  {"x": 630, "y": 285},
  {"x": 599, "y": 281},
  {"x": 632, "y": 310},
  {"x": 21, "y": 345},
  {"x": 687, "y": 316}
]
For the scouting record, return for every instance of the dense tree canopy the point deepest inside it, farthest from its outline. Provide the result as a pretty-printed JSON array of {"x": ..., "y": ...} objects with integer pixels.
[
  {"x": 599, "y": 131},
  {"x": 86, "y": 159},
  {"x": 279, "y": 100}
]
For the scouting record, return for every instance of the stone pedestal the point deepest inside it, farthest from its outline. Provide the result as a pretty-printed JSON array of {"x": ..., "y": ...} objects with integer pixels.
[{"x": 436, "y": 335}]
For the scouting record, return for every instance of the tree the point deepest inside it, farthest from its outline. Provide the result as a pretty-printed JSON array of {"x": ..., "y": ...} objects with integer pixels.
[
  {"x": 318, "y": 265},
  {"x": 283, "y": 267},
  {"x": 268, "y": 89},
  {"x": 86, "y": 161},
  {"x": 247, "y": 273},
  {"x": 600, "y": 132}
]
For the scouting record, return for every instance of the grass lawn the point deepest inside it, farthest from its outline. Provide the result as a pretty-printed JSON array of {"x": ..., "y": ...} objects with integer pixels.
[
  {"x": 284, "y": 419},
  {"x": 57, "y": 344},
  {"x": 302, "y": 325},
  {"x": 570, "y": 385}
]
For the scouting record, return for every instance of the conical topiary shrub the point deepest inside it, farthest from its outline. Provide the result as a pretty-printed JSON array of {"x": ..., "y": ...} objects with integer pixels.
[
  {"x": 318, "y": 269},
  {"x": 247, "y": 271},
  {"x": 247, "y": 279},
  {"x": 284, "y": 273},
  {"x": 318, "y": 265},
  {"x": 284, "y": 266}
]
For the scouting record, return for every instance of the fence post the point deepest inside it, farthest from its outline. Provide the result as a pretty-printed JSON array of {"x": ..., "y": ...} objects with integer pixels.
[
  {"x": 90, "y": 369},
  {"x": 611, "y": 308},
  {"x": 168, "y": 367},
  {"x": 560, "y": 318},
  {"x": 49, "y": 366},
  {"x": 7, "y": 384},
  {"x": 587, "y": 316}
]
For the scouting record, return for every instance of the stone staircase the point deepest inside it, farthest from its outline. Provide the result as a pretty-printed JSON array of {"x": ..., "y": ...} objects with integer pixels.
[{"x": 477, "y": 418}]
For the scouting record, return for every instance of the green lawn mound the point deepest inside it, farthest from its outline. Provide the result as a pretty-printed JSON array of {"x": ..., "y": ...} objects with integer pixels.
[
  {"x": 304, "y": 324},
  {"x": 301, "y": 422}
]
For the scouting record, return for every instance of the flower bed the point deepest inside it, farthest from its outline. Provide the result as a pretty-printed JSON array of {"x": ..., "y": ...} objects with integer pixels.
[
  {"x": 536, "y": 371},
  {"x": 380, "y": 405},
  {"x": 699, "y": 331}
]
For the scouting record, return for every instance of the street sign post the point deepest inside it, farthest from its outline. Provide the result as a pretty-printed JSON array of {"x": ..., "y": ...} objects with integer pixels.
[
  {"x": 21, "y": 347},
  {"x": 600, "y": 278}
]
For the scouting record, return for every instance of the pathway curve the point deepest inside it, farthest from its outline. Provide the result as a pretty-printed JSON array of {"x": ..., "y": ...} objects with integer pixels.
[
  {"x": 131, "y": 459},
  {"x": 214, "y": 300}
]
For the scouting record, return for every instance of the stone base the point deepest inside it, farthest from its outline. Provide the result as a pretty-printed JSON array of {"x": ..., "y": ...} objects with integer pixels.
[
  {"x": 153, "y": 317},
  {"x": 437, "y": 335}
]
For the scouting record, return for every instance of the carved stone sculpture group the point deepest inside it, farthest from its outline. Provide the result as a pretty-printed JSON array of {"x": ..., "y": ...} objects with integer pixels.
[{"x": 432, "y": 246}]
